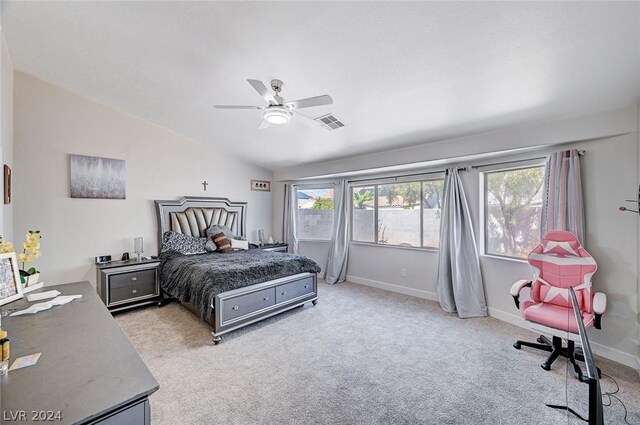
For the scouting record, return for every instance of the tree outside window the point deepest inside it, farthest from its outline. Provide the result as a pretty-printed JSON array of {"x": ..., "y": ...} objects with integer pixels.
[{"x": 513, "y": 207}]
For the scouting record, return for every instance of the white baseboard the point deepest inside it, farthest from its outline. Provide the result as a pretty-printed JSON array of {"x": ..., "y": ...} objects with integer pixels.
[
  {"x": 599, "y": 349},
  {"x": 615, "y": 355},
  {"x": 514, "y": 319},
  {"x": 394, "y": 288}
]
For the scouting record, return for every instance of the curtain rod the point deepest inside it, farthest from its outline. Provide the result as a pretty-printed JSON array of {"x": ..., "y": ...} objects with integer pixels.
[
  {"x": 581, "y": 152},
  {"x": 477, "y": 167},
  {"x": 404, "y": 176}
]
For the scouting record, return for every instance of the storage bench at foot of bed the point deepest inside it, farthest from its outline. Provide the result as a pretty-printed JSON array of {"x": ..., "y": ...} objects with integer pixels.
[{"x": 240, "y": 307}]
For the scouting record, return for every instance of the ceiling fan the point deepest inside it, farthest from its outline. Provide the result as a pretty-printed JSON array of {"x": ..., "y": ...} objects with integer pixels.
[{"x": 278, "y": 111}]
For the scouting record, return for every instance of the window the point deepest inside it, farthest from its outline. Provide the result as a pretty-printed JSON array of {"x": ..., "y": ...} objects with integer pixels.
[
  {"x": 315, "y": 213},
  {"x": 363, "y": 213},
  {"x": 513, "y": 205},
  {"x": 400, "y": 214},
  {"x": 432, "y": 192}
]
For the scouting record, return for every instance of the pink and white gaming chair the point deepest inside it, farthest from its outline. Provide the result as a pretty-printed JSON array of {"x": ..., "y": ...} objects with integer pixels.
[{"x": 559, "y": 262}]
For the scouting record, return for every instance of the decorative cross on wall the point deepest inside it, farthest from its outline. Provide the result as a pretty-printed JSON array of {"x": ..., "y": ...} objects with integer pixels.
[{"x": 205, "y": 184}]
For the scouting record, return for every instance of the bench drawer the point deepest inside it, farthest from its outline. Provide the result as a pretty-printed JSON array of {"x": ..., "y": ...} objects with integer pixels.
[
  {"x": 248, "y": 303},
  {"x": 292, "y": 290}
]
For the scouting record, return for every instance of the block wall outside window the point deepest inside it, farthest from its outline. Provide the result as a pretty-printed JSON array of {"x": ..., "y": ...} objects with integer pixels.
[
  {"x": 315, "y": 213},
  {"x": 398, "y": 214}
]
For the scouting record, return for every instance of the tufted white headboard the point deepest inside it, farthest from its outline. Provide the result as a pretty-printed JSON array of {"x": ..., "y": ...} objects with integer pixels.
[{"x": 194, "y": 215}]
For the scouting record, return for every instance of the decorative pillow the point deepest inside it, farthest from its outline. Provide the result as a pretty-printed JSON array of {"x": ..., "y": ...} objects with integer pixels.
[
  {"x": 185, "y": 244},
  {"x": 217, "y": 228},
  {"x": 239, "y": 244},
  {"x": 210, "y": 246},
  {"x": 213, "y": 230},
  {"x": 222, "y": 242},
  {"x": 564, "y": 248}
]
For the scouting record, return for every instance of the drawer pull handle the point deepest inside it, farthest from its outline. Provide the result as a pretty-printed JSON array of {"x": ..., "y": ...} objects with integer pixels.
[
  {"x": 266, "y": 299},
  {"x": 134, "y": 278},
  {"x": 133, "y": 291},
  {"x": 235, "y": 307},
  {"x": 284, "y": 292},
  {"x": 306, "y": 286}
]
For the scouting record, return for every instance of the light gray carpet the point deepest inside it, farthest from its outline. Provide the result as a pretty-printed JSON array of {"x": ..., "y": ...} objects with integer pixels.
[{"x": 361, "y": 356}]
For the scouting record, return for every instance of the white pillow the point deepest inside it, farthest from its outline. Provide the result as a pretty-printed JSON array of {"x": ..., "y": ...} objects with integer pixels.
[{"x": 238, "y": 244}]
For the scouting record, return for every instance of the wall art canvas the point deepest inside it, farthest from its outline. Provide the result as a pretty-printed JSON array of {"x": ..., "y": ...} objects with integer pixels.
[{"x": 97, "y": 178}]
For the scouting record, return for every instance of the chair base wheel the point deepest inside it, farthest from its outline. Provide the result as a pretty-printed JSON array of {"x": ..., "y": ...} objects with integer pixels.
[
  {"x": 545, "y": 366},
  {"x": 517, "y": 346}
]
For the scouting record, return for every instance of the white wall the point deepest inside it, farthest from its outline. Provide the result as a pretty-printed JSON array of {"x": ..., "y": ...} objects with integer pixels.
[
  {"x": 535, "y": 135},
  {"x": 6, "y": 133},
  {"x": 51, "y": 123},
  {"x": 610, "y": 175}
]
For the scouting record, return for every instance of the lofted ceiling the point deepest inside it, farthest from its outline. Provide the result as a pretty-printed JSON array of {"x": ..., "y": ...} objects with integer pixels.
[{"x": 400, "y": 73}]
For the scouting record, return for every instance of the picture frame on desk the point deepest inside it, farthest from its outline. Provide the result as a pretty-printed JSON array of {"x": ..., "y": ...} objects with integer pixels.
[{"x": 10, "y": 286}]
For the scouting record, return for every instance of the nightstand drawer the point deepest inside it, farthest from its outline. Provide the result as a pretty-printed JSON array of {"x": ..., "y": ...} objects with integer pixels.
[{"x": 132, "y": 285}]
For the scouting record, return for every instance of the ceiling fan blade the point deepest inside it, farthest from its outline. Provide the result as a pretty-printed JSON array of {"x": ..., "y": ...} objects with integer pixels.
[
  {"x": 262, "y": 90},
  {"x": 306, "y": 120},
  {"x": 263, "y": 124},
  {"x": 325, "y": 99},
  {"x": 236, "y": 107}
]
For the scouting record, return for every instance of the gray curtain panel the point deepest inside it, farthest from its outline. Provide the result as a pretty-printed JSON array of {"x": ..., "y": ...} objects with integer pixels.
[
  {"x": 562, "y": 204},
  {"x": 336, "y": 270},
  {"x": 460, "y": 285},
  {"x": 289, "y": 232}
]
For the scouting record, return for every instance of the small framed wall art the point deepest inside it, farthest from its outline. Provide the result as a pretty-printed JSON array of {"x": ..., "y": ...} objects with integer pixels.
[
  {"x": 10, "y": 286},
  {"x": 261, "y": 185}
]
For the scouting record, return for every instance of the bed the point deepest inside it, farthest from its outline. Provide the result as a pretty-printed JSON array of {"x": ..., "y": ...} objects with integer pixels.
[{"x": 228, "y": 291}]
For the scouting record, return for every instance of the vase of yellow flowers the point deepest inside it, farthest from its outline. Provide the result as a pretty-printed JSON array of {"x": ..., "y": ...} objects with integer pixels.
[{"x": 30, "y": 251}]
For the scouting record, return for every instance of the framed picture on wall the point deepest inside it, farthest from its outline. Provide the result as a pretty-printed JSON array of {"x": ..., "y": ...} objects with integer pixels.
[
  {"x": 261, "y": 185},
  {"x": 7, "y": 184},
  {"x": 97, "y": 178},
  {"x": 10, "y": 286}
]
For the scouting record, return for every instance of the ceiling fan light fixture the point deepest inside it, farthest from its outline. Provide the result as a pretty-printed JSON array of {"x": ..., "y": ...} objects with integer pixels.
[{"x": 277, "y": 116}]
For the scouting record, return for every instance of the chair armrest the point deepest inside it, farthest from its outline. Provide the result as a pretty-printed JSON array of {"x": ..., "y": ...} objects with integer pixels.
[
  {"x": 599, "y": 303},
  {"x": 516, "y": 288},
  {"x": 599, "y": 307}
]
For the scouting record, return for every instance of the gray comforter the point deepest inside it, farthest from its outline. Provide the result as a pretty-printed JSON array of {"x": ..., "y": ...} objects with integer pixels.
[{"x": 198, "y": 278}]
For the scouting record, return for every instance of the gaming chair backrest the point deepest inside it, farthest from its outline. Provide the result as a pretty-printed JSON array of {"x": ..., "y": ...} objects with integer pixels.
[{"x": 560, "y": 262}]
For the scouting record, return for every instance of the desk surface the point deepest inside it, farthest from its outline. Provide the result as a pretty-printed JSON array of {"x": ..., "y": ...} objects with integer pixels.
[{"x": 87, "y": 368}]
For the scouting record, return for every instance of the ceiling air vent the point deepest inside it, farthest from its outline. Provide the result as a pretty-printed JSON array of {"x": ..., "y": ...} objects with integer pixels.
[{"x": 329, "y": 122}]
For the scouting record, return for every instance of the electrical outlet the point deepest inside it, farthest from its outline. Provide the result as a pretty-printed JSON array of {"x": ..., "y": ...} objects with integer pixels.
[{"x": 403, "y": 272}]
